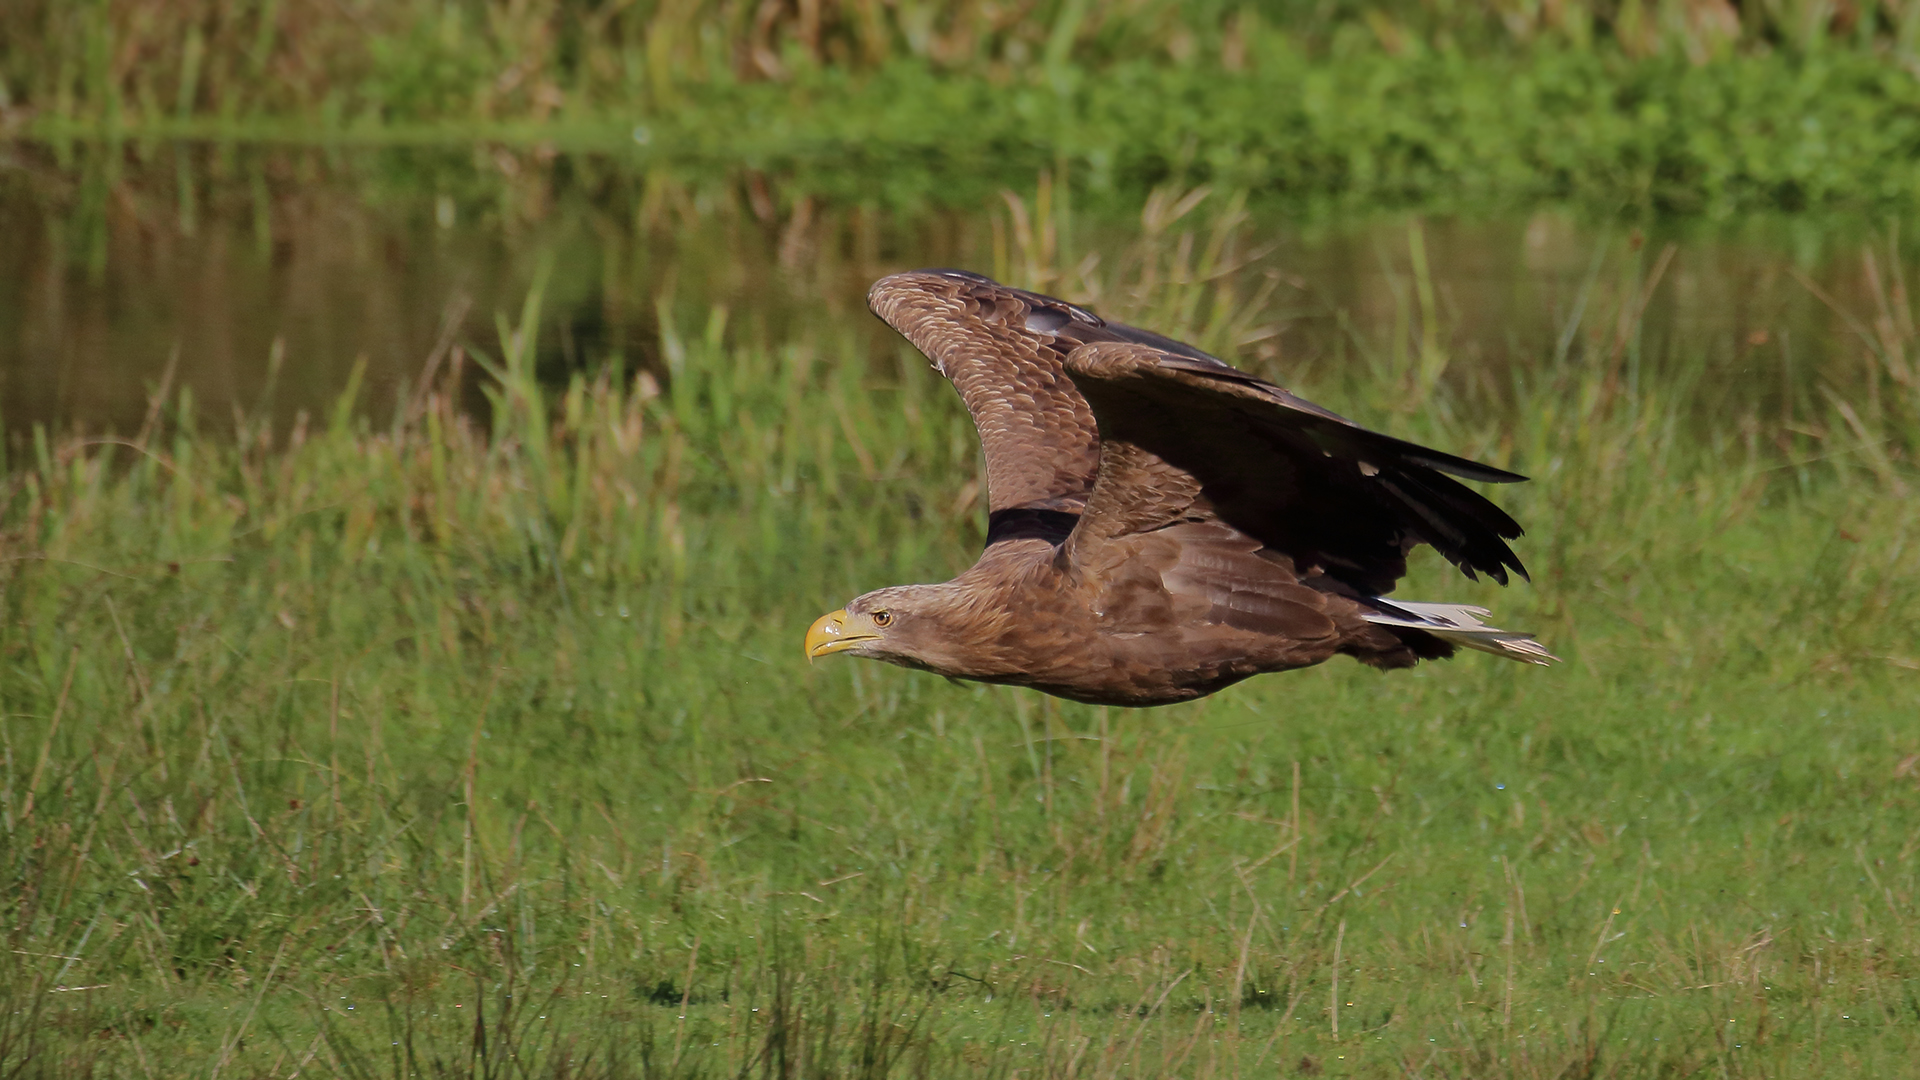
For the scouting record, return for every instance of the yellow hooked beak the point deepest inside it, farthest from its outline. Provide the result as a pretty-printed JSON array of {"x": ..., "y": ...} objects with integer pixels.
[{"x": 830, "y": 634}]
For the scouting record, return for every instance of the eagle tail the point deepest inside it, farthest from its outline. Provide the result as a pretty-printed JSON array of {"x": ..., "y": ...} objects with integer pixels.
[{"x": 1460, "y": 625}]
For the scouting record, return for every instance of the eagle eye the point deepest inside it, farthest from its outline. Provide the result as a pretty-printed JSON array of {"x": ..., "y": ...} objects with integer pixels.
[{"x": 883, "y": 619}]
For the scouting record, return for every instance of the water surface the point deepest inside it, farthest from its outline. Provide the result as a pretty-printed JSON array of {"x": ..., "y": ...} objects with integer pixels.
[{"x": 260, "y": 277}]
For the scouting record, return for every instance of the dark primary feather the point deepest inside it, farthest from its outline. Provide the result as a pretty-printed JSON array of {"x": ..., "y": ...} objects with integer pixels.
[{"x": 1334, "y": 496}]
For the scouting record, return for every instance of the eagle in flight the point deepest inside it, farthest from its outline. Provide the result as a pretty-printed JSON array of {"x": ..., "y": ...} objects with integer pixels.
[{"x": 1162, "y": 525}]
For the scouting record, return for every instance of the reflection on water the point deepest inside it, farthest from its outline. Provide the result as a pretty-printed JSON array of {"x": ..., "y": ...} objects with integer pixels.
[{"x": 259, "y": 277}]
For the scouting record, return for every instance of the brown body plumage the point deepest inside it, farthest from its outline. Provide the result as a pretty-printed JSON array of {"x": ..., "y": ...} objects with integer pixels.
[{"x": 1162, "y": 525}]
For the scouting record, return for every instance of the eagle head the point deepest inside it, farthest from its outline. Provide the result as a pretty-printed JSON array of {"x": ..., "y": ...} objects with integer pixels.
[{"x": 916, "y": 626}]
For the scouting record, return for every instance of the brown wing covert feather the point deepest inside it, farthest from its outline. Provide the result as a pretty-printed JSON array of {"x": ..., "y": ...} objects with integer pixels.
[{"x": 1039, "y": 439}]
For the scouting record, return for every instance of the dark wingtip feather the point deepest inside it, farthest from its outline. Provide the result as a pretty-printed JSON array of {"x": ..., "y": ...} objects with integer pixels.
[
  {"x": 1465, "y": 527},
  {"x": 1466, "y": 469}
]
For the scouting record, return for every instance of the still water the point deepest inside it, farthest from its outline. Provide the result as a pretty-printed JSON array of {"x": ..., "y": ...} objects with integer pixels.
[{"x": 261, "y": 277}]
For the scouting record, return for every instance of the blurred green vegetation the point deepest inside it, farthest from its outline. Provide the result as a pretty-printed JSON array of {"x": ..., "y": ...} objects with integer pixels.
[
  {"x": 1676, "y": 104},
  {"x": 457, "y": 747},
  {"x": 507, "y": 59}
]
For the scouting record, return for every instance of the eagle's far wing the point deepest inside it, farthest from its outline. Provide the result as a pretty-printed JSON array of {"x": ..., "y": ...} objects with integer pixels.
[
  {"x": 1005, "y": 350},
  {"x": 1193, "y": 437},
  {"x": 999, "y": 348}
]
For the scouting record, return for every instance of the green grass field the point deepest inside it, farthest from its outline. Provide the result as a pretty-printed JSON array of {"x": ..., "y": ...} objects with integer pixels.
[{"x": 456, "y": 748}]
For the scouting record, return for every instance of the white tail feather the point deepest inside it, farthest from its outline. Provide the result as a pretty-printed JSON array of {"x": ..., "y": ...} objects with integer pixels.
[{"x": 1461, "y": 625}]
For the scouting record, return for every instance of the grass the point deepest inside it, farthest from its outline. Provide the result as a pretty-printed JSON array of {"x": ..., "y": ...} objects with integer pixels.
[{"x": 460, "y": 747}]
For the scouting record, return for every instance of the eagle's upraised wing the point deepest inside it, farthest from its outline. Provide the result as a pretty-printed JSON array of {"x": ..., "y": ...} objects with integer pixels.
[
  {"x": 1284, "y": 471},
  {"x": 1005, "y": 349}
]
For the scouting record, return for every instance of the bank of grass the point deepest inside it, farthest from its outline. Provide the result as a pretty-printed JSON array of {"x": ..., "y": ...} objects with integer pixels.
[
  {"x": 1674, "y": 106},
  {"x": 1776, "y": 132},
  {"x": 485, "y": 748}
]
